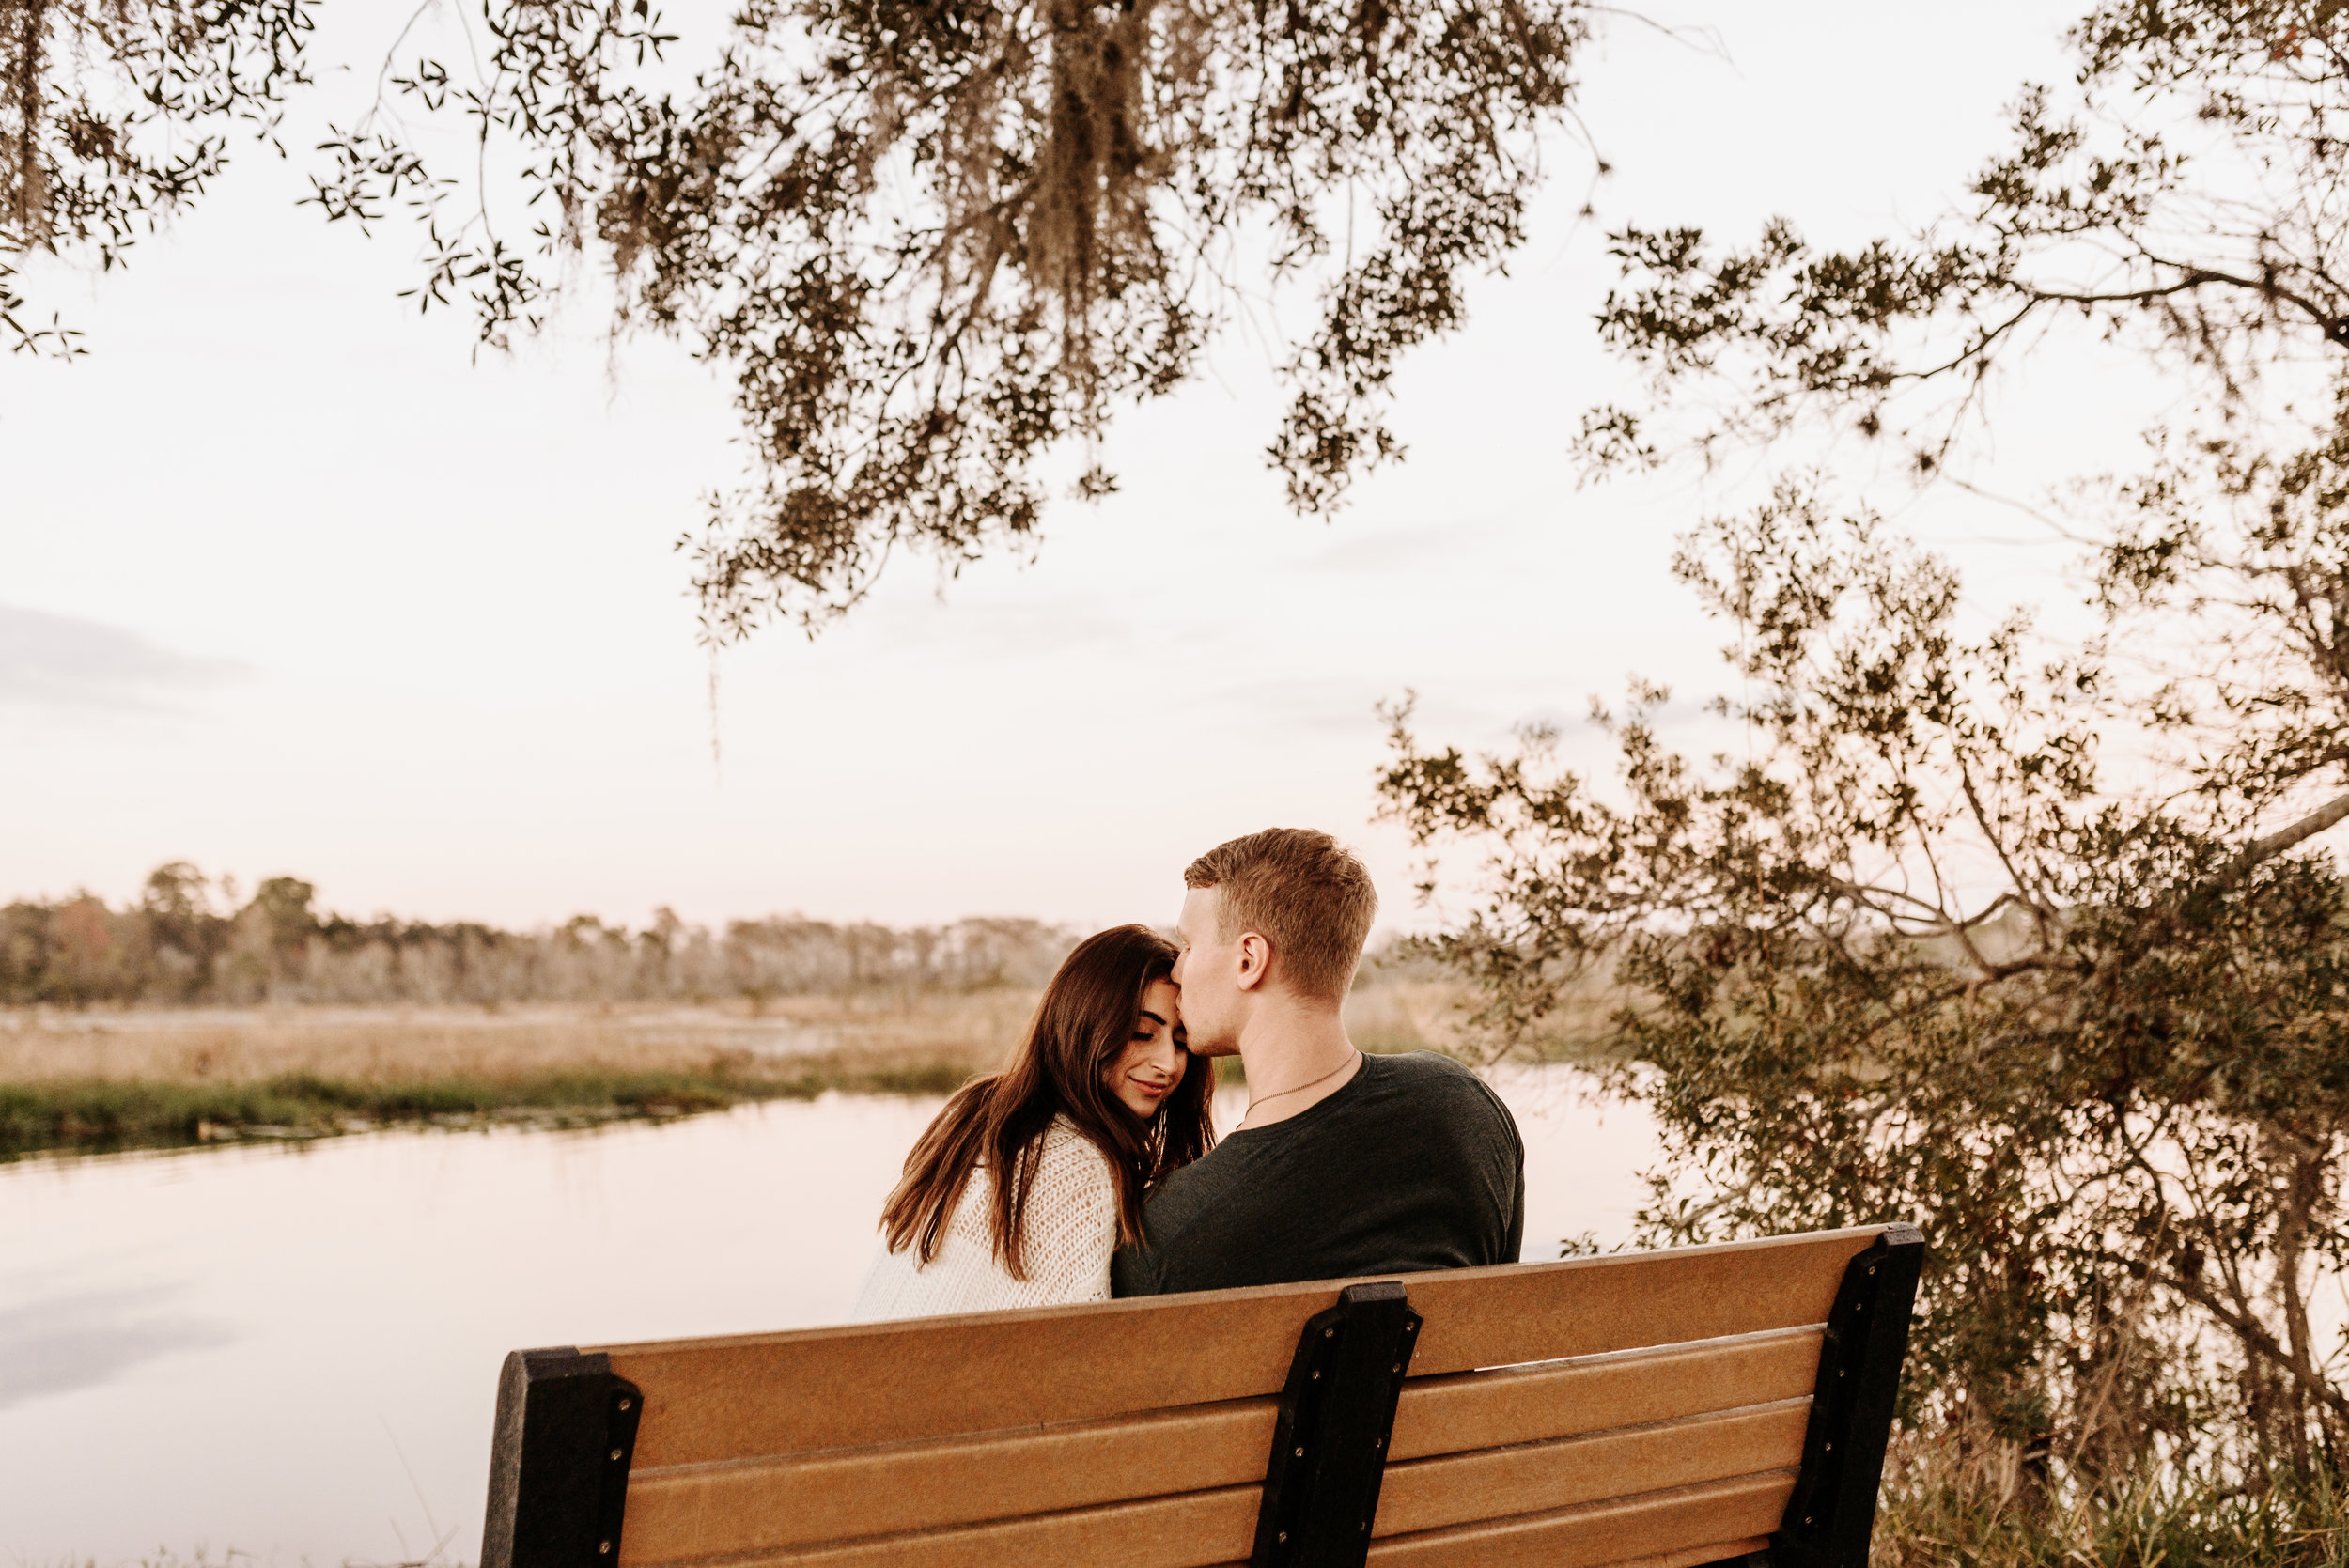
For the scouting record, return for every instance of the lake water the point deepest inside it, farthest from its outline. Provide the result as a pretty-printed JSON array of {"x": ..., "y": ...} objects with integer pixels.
[{"x": 292, "y": 1352}]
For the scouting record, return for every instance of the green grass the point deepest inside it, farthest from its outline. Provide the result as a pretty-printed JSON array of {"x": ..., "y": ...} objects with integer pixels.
[{"x": 97, "y": 1115}]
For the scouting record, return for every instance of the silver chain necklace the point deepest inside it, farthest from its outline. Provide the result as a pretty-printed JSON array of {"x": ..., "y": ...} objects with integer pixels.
[{"x": 1254, "y": 1101}]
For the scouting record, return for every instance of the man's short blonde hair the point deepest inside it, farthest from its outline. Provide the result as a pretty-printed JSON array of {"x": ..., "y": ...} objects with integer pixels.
[{"x": 1301, "y": 890}]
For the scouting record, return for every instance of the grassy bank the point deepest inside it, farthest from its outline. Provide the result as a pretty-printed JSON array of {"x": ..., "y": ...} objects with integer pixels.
[{"x": 96, "y": 1114}]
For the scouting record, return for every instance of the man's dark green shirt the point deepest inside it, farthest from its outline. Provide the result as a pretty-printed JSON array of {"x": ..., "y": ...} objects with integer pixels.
[{"x": 1413, "y": 1165}]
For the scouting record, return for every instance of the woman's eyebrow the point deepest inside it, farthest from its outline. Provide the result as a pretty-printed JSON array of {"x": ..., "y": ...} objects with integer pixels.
[{"x": 1154, "y": 1018}]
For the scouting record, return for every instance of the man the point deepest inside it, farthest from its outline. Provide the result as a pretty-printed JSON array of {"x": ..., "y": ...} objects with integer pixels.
[{"x": 1346, "y": 1164}]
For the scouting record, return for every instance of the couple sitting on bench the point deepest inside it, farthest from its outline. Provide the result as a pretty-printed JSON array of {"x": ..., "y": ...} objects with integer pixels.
[
  {"x": 1248, "y": 1396},
  {"x": 1089, "y": 1166}
]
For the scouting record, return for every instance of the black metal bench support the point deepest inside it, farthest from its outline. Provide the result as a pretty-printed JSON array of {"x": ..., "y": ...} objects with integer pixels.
[
  {"x": 1833, "y": 1509},
  {"x": 558, "y": 1462},
  {"x": 1329, "y": 1443}
]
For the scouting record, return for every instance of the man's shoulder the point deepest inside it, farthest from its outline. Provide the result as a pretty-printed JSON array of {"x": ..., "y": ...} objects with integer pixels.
[
  {"x": 1425, "y": 1065},
  {"x": 1427, "y": 1072},
  {"x": 1436, "y": 1085}
]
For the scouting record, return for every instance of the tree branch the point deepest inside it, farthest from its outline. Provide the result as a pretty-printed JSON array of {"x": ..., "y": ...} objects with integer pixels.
[{"x": 2300, "y": 833}]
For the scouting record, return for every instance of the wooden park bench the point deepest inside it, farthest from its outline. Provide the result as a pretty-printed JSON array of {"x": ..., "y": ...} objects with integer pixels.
[{"x": 1661, "y": 1410}]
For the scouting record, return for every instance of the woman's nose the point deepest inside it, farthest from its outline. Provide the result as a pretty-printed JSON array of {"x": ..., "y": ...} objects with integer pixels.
[{"x": 1167, "y": 1056}]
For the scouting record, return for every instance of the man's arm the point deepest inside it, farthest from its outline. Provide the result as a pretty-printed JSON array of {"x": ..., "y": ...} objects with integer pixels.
[
  {"x": 1133, "y": 1271},
  {"x": 1513, "y": 1246},
  {"x": 1506, "y": 1159}
]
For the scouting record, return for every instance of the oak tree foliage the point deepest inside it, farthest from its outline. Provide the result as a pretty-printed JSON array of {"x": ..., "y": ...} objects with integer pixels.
[
  {"x": 930, "y": 239},
  {"x": 116, "y": 113},
  {"x": 2020, "y": 931}
]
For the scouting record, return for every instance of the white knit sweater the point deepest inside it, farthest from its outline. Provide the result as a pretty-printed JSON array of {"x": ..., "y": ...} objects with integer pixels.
[{"x": 1071, "y": 1227}]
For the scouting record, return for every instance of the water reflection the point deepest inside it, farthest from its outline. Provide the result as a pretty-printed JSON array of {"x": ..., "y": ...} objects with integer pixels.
[
  {"x": 64, "y": 1339},
  {"x": 292, "y": 1352}
]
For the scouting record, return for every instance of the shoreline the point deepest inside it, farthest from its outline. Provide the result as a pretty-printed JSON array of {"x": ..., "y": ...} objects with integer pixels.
[{"x": 112, "y": 1116}]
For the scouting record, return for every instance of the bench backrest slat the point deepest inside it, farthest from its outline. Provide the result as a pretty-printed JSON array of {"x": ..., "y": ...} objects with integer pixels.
[
  {"x": 1532, "y": 1478},
  {"x": 1680, "y": 1526},
  {"x": 1590, "y": 1306},
  {"x": 705, "y": 1509},
  {"x": 1461, "y": 1411},
  {"x": 1206, "y": 1529},
  {"x": 1194, "y": 1530}
]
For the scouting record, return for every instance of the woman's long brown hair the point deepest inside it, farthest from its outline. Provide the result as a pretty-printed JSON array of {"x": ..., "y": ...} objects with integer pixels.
[{"x": 1079, "y": 1029}]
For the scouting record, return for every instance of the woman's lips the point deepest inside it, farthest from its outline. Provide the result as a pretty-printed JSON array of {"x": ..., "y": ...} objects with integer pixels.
[{"x": 1154, "y": 1091}]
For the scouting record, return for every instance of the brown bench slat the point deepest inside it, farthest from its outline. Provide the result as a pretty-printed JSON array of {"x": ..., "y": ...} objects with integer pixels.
[
  {"x": 1588, "y": 1306},
  {"x": 1197, "y": 1529},
  {"x": 703, "y": 1510},
  {"x": 771, "y": 1394},
  {"x": 1692, "y": 1557},
  {"x": 1530, "y": 1478},
  {"x": 1202, "y": 1530},
  {"x": 1675, "y": 1526},
  {"x": 1687, "y": 1557},
  {"x": 1522, "y": 1404},
  {"x": 684, "y": 1511}
]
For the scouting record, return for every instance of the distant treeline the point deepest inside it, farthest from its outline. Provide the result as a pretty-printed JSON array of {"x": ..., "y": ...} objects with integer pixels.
[{"x": 189, "y": 940}]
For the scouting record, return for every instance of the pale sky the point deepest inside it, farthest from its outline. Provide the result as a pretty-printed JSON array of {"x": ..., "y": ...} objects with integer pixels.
[{"x": 289, "y": 585}]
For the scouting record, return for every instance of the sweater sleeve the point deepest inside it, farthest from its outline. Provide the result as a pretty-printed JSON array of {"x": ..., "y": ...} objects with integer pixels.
[{"x": 1071, "y": 1220}]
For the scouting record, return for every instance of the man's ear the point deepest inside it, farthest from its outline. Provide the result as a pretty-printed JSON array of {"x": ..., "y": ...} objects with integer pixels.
[{"x": 1256, "y": 960}]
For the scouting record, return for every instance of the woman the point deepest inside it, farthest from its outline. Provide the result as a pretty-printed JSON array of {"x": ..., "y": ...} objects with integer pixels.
[{"x": 1030, "y": 1179}]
